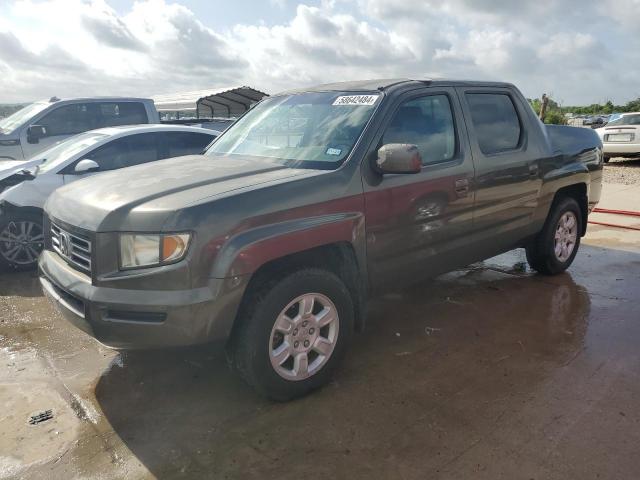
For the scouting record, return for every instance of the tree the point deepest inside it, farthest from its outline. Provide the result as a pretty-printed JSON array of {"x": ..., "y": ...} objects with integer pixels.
[{"x": 553, "y": 113}]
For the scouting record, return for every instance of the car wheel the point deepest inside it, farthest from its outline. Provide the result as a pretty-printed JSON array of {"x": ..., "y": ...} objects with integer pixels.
[
  {"x": 556, "y": 246},
  {"x": 21, "y": 240},
  {"x": 293, "y": 333},
  {"x": 606, "y": 159}
]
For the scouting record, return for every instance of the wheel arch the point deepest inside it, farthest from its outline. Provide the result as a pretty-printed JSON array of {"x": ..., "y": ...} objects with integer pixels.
[
  {"x": 577, "y": 191},
  {"x": 338, "y": 257}
]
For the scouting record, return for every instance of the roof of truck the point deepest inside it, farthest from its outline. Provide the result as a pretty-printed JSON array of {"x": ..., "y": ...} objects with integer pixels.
[{"x": 389, "y": 83}]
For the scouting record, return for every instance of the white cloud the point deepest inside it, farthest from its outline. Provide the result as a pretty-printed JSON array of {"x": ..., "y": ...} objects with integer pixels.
[{"x": 84, "y": 47}]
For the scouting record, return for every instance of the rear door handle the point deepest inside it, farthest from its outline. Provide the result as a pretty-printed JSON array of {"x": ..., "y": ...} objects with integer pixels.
[{"x": 462, "y": 187}]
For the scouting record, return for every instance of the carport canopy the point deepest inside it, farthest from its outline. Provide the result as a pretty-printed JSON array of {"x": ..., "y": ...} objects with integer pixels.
[{"x": 228, "y": 102}]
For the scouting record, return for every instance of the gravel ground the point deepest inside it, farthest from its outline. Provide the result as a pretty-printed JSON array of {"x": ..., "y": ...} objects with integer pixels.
[{"x": 622, "y": 170}]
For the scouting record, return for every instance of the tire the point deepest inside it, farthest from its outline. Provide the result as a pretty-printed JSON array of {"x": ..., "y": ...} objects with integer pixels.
[
  {"x": 606, "y": 159},
  {"x": 257, "y": 340},
  {"x": 542, "y": 254},
  {"x": 21, "y": 240}
]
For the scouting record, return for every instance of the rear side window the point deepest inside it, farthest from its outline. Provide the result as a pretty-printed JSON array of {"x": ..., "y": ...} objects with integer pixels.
[
  {"x": 71, "y": 119},
  {"x": 122, "y": 113},
  {"x": 126, "y": 152},
  {"x": 495, "y": 121},
  {"x": 186, "y": 143},
  {"x": 428, "y": 123}
]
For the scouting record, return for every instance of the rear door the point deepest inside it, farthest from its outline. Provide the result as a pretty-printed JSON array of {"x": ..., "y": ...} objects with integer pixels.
[
  {"x": 506, "y": 157},
  {"x": 419, "y": 225},
  {"x": 121, "y": 113},
  {"x": 177, "y": 144}
]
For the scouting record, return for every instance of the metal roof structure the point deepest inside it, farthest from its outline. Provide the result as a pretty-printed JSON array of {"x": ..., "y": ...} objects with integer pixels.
[{"x": 221, "y": 102}]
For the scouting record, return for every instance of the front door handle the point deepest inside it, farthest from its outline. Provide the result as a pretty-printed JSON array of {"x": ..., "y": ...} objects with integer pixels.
[
  {"x": 533, "y": 170},
  {"x": 462, "y": 187}
]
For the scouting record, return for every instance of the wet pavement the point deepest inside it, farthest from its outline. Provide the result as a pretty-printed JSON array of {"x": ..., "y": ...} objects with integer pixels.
[{"x": 488, "y": 372}]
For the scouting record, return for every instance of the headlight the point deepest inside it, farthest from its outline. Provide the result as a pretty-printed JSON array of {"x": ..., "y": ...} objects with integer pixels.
[{"x": 142, "y": 250}]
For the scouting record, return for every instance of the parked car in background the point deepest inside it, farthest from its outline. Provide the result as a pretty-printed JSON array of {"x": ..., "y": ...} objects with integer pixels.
[
  {"x": 272, "y": 241},
  {"x": 25, "y": 190},
  {"x": 621, "y": 136},
  {"x": 42, "y": 124}
]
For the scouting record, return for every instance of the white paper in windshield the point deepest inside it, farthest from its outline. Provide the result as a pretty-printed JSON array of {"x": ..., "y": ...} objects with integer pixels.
[{"x": 356, "y": 100}]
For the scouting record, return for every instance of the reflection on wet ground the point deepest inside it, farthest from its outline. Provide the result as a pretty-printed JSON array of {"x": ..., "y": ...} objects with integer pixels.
[{"x": 487, "y": 372}]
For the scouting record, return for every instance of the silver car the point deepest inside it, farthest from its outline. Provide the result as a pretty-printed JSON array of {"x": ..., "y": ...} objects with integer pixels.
[{"x": 26, "y": 186}]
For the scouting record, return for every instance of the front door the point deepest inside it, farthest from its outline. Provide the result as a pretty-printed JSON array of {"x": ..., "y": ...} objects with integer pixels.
[
  {"x": 61, "y": 123},
  {"x": 419, "y": 225}
]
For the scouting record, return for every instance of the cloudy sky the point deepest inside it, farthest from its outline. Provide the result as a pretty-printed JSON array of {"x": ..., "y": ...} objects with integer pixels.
[{"x": 580, "y": 51}]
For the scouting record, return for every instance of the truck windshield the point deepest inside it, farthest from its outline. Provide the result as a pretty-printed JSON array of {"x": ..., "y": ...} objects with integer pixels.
[
  {"x": 9, "y": 124},
  {"x": 58, "y": 155},
  {"x": 309, "y": 130}
]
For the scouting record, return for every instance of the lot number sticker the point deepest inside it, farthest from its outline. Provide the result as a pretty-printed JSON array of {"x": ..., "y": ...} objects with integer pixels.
[{"x": 356, "y": 100}]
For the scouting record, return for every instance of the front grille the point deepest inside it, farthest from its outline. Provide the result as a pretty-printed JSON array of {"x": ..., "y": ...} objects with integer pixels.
[{"x": 73, "y": 248}]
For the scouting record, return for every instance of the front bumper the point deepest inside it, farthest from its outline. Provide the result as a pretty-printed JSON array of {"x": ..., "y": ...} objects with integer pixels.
[{"x": 127, "y": 319}]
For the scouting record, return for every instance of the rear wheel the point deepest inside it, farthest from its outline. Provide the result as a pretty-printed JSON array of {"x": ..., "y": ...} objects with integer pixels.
[
  {"x": 21, "y": 240},
  {"x": 293, "y": 333},
  {"x": 557, "y": 245}
]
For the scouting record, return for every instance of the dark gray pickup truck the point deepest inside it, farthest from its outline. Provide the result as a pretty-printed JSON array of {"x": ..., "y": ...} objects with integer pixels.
[{"x": 272, "y": 240}]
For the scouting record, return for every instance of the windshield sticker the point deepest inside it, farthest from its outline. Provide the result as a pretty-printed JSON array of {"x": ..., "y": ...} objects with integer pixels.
[
  {"x": 334, "y": 151},
  {"x": 356, "y": 100}
]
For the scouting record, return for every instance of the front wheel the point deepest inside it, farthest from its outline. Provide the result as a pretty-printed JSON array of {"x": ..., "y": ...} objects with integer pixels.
[
  {"x": 556, "y": 246},
  {"x": 21, "y": 240},
  {"x": 293, "y": 333}
]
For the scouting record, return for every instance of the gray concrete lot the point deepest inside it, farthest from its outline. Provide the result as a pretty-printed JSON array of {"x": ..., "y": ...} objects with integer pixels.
[{"x": 488, "y": 372}]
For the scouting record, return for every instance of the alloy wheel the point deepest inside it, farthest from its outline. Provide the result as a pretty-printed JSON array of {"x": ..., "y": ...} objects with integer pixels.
[
  {"x": 304, "y": 336},
  {"x": 566, "y": 236},
  {"x": 21, "y": 242}
]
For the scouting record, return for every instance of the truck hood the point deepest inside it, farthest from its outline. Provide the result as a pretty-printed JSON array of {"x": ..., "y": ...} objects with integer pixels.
[{"x": 141, "y": 198}]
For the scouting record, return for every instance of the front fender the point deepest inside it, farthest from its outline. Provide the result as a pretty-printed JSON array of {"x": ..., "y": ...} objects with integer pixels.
[
  {"x": 246, "y": 252},
  {"x": 9, "y": 209}
]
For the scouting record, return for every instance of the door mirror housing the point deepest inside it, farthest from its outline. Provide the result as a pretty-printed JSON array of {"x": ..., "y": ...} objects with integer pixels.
[
  {"x": 86, "y": 165},
  {"x": 35, "y": 133},
  {"x": 399, "y": 158}
]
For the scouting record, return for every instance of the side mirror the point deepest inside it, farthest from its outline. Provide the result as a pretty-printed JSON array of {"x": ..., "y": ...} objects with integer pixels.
[
  {"x": 35, "y": 133},
  {"x": 399, "y": 158},
  {"x": 86, "y": 165}
]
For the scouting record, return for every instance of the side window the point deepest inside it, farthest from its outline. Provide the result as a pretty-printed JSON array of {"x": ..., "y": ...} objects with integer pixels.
[
  {"x": 428, "y": 123},
  {"x": 495, "y": 121},
  {"x": 122, "y": 113},
  {"x": 186, "y": 143},
  {"x": 111, "y": 156},
  {"x": 70, "y": 119},
  {"x": 126, "y": 152},
  {"x": 143, "y": 148}
]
